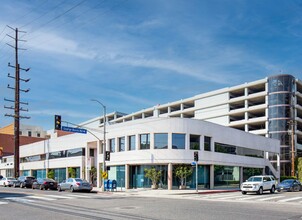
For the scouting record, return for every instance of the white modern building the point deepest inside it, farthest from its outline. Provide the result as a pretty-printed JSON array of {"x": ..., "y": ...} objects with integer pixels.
[
  {"x": 226, "y": 155},
  {"x": 265, "y": 107}
]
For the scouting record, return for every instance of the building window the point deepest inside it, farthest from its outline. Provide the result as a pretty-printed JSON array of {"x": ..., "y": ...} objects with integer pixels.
[
  {"x": 132, "y": 142},
  {"x": 112, "y": 145},
  {"x": 144, "y": 141},
  {"x": 121, "y": 144},
  {"x": 161, "y": 141},
  {"x": 194, "y": 142},
  {"x": 20, "y": 132},
  {"x": 38, "y": 135},
  {"x": 29, "y": 133},
  {"x": 207, "y": 143},
  {"x": 178, "y": 141},
  {"x": 91, "y": 152}
]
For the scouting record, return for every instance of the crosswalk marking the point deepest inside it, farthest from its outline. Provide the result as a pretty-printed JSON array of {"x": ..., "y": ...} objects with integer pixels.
[
  {"x": 229, "y": 197},
  {"x": 247, "y": 198},
  {"x": 40, "y": 197},
  {"x": 19, "y": 199},
  {"x": 79, "y": 196},
  {"x": 3, "y": 203},
  {"x": 61, "y": 197},
  {"x": 290, "y": 199},
  {"x": 270, "y": 198}
]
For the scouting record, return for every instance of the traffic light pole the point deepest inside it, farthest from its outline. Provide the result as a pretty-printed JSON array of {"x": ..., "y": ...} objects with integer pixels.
[{"x": 196, "y": 176}]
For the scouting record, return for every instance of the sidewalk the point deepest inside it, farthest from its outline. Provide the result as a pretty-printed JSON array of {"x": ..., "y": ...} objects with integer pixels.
[{"x": 163, "y": 193}]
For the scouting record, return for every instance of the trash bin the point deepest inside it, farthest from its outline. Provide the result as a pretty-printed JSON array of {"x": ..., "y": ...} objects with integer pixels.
[{"x": 114, "y": 184}]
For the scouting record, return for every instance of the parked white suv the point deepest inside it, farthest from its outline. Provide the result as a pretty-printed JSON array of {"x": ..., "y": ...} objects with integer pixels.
[{"x": 259, "y": 184}]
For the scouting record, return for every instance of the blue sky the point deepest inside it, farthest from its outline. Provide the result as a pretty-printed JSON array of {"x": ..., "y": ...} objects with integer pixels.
[{"x": 135, "y": 54}]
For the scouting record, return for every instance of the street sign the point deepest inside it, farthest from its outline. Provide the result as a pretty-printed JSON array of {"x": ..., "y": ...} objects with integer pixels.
[
  {"x": 75, "y": 130},
  {"x": 193, "y": 163},
  {"x": 105, "y": 175}
]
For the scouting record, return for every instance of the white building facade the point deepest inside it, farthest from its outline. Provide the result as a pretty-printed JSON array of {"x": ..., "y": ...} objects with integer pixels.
[
  {"x": 226, "y": 156},
  {"x": 265, "y": 107}
]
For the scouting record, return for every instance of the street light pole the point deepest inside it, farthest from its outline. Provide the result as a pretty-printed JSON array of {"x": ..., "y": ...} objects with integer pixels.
[{"x": 104, "y": 140}]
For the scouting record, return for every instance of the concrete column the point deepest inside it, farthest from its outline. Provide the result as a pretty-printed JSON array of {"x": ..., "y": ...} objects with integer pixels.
[
  {"x": 212, "y": 176},
  {"x": 170, "y": 176},
  {"x": 127, "y": 176},
  {"x": 240, "y": 175},
  {"x": 66, "y": 172},
  {"x": 86, "y": 171},
  {"x": 98, "y": 144}
]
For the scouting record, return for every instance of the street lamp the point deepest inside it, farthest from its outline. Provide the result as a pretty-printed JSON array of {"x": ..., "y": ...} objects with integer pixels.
[{"x": 104, "y": 140}]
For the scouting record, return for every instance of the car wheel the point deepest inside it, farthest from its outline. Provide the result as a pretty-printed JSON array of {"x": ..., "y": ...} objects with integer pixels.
[
  {"x": 71, "y": 189},
  {"x": 296, "y": 188},
  {"x": 243, "y": 192},
  {"x": 59, "y": 189},
  {"x": 272, "y": 189},
  {"x": 260, "y": 191}
]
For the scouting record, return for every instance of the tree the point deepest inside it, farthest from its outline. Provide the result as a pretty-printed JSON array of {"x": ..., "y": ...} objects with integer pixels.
[
  {"x": 299, "y": 168},
  {"x": 182, "y": 172},
  {"x": 153, "y": 175},
  {"x": 93, "y": 174},
  {"x": 71, "y": 172},
  {"x": 51, "y": 174}
]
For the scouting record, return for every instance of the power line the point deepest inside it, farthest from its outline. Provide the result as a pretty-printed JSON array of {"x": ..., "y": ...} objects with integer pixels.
[{"x": 44, "y": 14}]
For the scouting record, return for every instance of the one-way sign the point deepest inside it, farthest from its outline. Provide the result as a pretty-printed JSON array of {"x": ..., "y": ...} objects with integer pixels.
[{"x": 75, "y": 130}]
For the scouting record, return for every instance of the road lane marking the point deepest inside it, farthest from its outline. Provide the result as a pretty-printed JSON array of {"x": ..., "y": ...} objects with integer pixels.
[
  {"x": 229, "y": 197},
  {"x": 270, "y": 198},
  {"x": 79, "y": 196},
  {"x": 19, "y": 199},
  {"x": 290, "y": 199},
  {"x": 3, "y": 203},
  {"x": 60, "y": 197},
  {"x": 39, "y": 197}
]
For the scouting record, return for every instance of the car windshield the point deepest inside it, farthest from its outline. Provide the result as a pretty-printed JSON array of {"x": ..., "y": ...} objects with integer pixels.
[
  {"x": 78, "y": 180},
  {"x": 287, "y": 181},
  {"x": 254, "y": 179}
]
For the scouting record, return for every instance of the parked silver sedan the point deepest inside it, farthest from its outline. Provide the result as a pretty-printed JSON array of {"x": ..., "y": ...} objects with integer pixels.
[
  {"x": 9, "y": 181},
  {"x": 75, "y": 184}
]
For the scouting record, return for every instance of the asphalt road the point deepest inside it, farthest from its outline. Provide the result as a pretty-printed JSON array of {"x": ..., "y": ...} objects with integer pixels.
[{"x": 35, "y": 204}]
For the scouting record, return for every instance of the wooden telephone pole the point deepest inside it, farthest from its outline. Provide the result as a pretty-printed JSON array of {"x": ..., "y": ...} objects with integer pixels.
[{"x": 16, "y": 101}]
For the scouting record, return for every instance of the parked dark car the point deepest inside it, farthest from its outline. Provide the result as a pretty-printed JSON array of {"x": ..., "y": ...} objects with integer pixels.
[
  {"x": 44, "y": 184},
  {"x": 75, "y": 184},
  {"x": 26, "y": 181},
  {"x": 291, "y": 185}
]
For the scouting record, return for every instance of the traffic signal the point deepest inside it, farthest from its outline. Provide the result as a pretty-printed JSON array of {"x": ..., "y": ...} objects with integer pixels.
[
  {"x": 57, "y": 122},
  {"x": 107, "y": 157},
  {"x": 195, "y": 155}
]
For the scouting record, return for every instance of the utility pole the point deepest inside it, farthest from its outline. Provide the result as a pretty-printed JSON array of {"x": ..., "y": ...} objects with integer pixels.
[{"x": 16, "y": 101}]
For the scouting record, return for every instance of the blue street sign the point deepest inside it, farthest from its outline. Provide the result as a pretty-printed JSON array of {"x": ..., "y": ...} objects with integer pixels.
[
  {"x": 193, "y": 163},
  {"x": 75, "y": 130}
]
